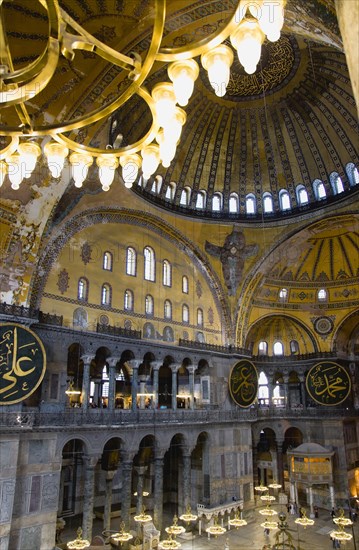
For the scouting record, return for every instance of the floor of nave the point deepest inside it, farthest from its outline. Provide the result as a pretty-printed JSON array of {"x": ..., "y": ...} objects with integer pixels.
[{"x": 249, "y": 537}]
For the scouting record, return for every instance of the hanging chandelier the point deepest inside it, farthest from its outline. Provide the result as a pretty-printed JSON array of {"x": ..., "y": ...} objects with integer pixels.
[
  {"x": 142, "y": 517},
  {"x": 268, "y": 511},
  {"x": 121, "y": 536},
  {"x": 175, "y": 529},
  {"x": 79, "y": 543},
  {"x": 261, "y": 488},
  {"x": 188, "y": 516},
  {"x": 215, "y": 529},
  {"x": 342, "y": 520},
  {"x": 169, "y": 544},
  {"x": 304, "y": 521},
  {"x": 237, "y": 521},
  {"x": 251, "y": 23}
]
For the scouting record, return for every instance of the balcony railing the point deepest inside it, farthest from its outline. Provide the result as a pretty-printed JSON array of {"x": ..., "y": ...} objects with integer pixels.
[
  {"x": 117, "y": 331},
  {"x": 151, "y": 417},
  {"x": 213, "y": 347}
]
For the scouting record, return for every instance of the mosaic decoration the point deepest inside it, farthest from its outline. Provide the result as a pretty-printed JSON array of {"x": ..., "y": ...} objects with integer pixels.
[
  {"x": 86, "y": 251},
  {"x": 232, "y": 255},
  {"x": 22, "y": 363},
  {"x": 323, "y": 325},
  {"x": 243, "y": 383},
  {"x": 199, "y": 290},
  {"x": 104, "y": 320},
  {"x": 63, "y": 281},
  {"x": 328, "y": 383}
]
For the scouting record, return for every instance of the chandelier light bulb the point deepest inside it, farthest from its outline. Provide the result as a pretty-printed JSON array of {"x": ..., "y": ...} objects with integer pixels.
[
  {"x": 80, "y": 163},
  {"x": 55, "y": 154},
  {"x": 3, "y": 172},
  {"x": 270, "y": 16},
  {"x": 247, "y": 39},
  {"x": 107, "y": 165},
  {"x": 167, "y": 148},
  {"x": 183, "y": 75},
  {"x": 29, "y": 153},
  {"x": 165, "y": 100},
  {"x": 217, "y": 63},
  {"x": 15, "y": 170},
  {"x": 173, "y": 127},
  {"x": 150, "y": 160},
  {"x": 130, "y": 166}
]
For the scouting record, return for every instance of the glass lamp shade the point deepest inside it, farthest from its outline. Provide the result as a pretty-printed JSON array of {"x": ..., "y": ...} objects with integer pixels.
[
  {"x": 270, "y": 17},
  {"x": 183, "y": 75},
  {"x": 247, "y": 39},
  {"x": 3, "y": 171},
  {"x": 15, "y": 170},
  {"x": 165, "y": 100},
  {"x": 167, "y": 148},
  {"x": 173, "y": 127},
  {"x": 150, "y": 160},
  {"x": 130, "y": 166},
  {"x": 107, "y": 165},
  {"x": 217, "y": 63},
  {"x": 80, "y": 163},
  {"x": 29, "y": 153},
  {"x": 55, "y": 154}
]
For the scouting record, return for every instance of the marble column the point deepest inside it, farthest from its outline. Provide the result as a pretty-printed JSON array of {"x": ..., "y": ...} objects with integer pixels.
[
  {"x": 89, "y": 464},
  {"x": 280, "y": 467},
  {"x": 286, "y": 391},
  {"x": 86, "y": 382},
  {"x": 302, "y": 391},
  {"x": 186, "y": 478},
  {"x": 141, "y": 470},
  {"x": 174, "y": 387},
  {"x": 126, "y": 474},
  {"x": 270, "y": 392},
  {"x": 332, "y": 496},
  {"x": 291, "y": 492},
  {"x": 158, "y": 492},
  {"x": 156, "y": 365},
  {"x": 134, "y": 364},
  {"x": 191, "y": 387},
  {"x": 310, "y": 496},
  {"x": 112, "y": 362},
  {"x": 108, "y": 499}
]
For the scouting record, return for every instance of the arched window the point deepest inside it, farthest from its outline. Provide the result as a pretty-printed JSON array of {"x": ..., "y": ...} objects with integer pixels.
[
  {"x": 185, "y": 196},
  {"x": 82, "y": 289},
  {"x": 200, "y": 317},
  {"x": 251, "y": 207},
  {"x": 263, "y": 392},
  {"x": 233, "y": 203},
  {"x": 319, "y": 190},
  {"x": 106, "y": 294},
  {"x": 128, "y": 300},
  {"x": 149, "y": 305},
  {"x": 168, "y": 309},
  {"x": 185, "y": 313},
  {"x": 171, "y": 191},
  {"x": 185, "y": 284},
  {"x": 149, "y": 268},
  {"x": 284, "y": 200},
  {"x": 107, "y": 261},
  {"x": 278, "y": 348},
  {"x": 166, "y": 273},
  {"x": 105, "y": 382},
  {"x": 267, "y": 203},
  {"x": 302, "y": 195},
  {"x": 283, "y": 294},
  {"x": 262, "y": 348},
  {"x": 201, "y": 200},
  {"x": 336, "y": 183},
  {"x": 131, "y": 262},
  {"x": 217, "y": 202},
  {"x": 352, "y": 173},
  {"x": 278, "y": 397},
  {"x": 322, "y": 295},
  {"x": 294, "y": 347},
  {"x": 157, "y": 184}
]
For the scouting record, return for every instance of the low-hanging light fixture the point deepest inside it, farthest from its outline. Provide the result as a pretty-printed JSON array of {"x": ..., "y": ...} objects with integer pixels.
[
  {"x": 169, "y": 544},
  {"x": 304, "y": 521},
  {"x": 188, "y": 516},
  {"x": 121, "y": 536},
  {"x": 71, "y": 390},
  {"x": 246, "y": 30},
  {"x": 261, "y": 488},
  {"x": 175, "y": 529},
  {"x": 216, "y": 529},
  {"x": 79, "y": 543},
  {"x": 237, "y": 521}
]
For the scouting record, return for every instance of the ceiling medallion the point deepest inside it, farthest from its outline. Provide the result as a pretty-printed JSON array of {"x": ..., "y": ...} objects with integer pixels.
[{"x": 323, "y": 325}]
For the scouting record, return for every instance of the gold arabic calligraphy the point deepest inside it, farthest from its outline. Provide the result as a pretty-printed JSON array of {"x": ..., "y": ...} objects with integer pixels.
[
  {"x": 243, "y": 384},
  {"x": 19, "y": 357},
  {"x": 328, "y": 383}
]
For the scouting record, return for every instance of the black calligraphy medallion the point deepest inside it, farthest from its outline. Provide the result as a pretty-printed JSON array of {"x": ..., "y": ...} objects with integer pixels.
[
  {"x": 328, "y": 383},
  {"x": 22, "y": 363},
  {"x": 243, "y": 383}
]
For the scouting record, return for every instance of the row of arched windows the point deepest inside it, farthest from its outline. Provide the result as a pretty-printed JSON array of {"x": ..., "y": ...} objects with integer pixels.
[
  {"x": 322, "y": 295},
  {"x": 285, "y": 204},
  {"x": 128, "y": 304},
  {"x": 278, "y": 348},
  {"x": 149, "y": 266}
]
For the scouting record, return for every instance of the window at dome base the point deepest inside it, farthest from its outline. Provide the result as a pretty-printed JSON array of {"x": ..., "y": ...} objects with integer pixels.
[
  {"x": 278, "y": 348},
  {"x": 250, "y": 204},
  {"x": 267, "y": 203}
]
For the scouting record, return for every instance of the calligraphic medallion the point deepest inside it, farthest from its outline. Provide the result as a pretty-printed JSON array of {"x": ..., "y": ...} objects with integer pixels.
[
  {"x": 243, "y": 383},
  {"x": 328, "y": 383},
  {"x": 22, "y": 363}
]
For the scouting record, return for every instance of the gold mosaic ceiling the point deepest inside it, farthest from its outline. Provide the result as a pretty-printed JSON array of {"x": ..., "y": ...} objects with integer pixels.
[{"x": 291, "y": 122}]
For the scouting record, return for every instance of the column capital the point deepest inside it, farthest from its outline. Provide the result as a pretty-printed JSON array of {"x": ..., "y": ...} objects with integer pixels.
[
  {"x": 156, "y": 365},
  {"x": 160, "y": 453},
  {"x": 87, "y": 358},
  {"x": 134, "y": 363},
  {"x": 110, "y": 474},
  {"x": 175, "y": 366},
  {"x": 90, "y": 461},
  {"x": 186, "y": 450}
]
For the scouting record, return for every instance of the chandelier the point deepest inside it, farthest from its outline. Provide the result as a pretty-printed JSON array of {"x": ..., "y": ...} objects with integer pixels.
[
  {"x": 175, "y": 529},
  {"x": 188, "y": 516},
  {"x": 341, "y": 520},
  {"x": 250, "y": 24},
  {"x": 121, "y": 536},
  {"x": 79, "y": 543},
  {"x": 215, "y": 529},
  {"x": 169, "y": 544},
  {"x": 237, "y": 521},
  {"x": 304, "y": 521}
]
